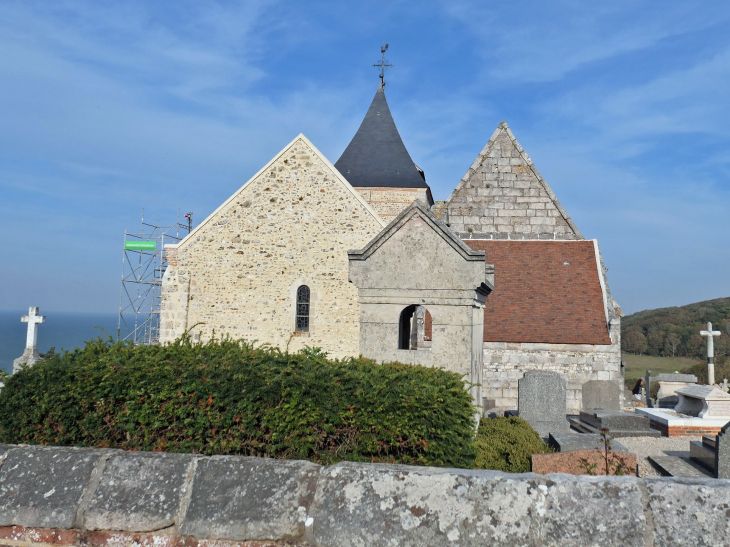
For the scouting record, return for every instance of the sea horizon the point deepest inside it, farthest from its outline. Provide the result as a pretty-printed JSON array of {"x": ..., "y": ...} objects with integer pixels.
[{"x": 62, "y": 330}]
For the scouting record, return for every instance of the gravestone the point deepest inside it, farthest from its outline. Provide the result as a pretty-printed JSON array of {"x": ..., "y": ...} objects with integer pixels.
[
  {"x": 541, "y": 401},
  {"x": 703, "y": 402},
  {"x": 668, "y": 385},
  {"x": 601, "y": 394},
  {"x": 722, "y": 453},
  {"x": 30, "y": 356}
]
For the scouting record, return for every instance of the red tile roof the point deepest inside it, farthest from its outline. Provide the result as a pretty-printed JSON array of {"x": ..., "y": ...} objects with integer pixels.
[{"x": 538, "y": 298}]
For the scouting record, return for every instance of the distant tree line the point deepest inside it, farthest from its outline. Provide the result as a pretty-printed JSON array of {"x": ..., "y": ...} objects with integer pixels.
[{"x": 675, "y": 332}]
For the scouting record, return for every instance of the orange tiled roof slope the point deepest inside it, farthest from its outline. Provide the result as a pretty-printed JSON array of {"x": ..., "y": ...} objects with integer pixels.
[{"x": 537, "y": 298}]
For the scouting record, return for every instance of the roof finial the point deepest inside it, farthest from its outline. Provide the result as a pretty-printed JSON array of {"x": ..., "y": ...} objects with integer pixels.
[{"x": 383, "y": 65}]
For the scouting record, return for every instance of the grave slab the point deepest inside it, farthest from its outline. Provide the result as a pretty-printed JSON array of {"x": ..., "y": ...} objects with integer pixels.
[
  {"x": 575, "y": 461},
  {"x": 250, "y": 498},
  {"x": 541, "y": 401},
  {"x": 138, "y": 492},
  {"x": 42, "y": 487},
  {"x": 615, "y": 420},
  {"x": 601, "y": 394},
  {"x": 567, "y": 442},
  {"x": 672, "y": 425},
  {"x": 673, "y": 466},
  {"x": 583, "y": 427}
]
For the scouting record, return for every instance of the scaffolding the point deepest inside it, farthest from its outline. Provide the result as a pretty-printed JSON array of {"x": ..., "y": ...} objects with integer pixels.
[{"x": 143, "y": 267}]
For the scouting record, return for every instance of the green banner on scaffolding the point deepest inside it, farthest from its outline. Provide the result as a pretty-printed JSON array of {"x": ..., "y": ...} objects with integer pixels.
[{"x": 140, "y": 245}]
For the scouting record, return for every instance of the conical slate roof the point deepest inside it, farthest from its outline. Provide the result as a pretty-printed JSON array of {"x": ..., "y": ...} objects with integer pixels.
[{"x": 376, "y": 156}]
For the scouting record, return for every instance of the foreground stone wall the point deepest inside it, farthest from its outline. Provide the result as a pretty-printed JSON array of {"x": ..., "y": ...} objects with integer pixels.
[
  {"x": 505, "y": 363},
  {"x": 238, "y": 272},
  {"x": 111, "y": 498}
]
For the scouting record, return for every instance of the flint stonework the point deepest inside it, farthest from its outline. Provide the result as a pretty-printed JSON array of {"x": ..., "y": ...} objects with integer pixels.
[
  {"x": 541, "y": 401},
  {"x": 138, "y": 492},
  {"x": 43, "y": 486},
  {"x": 250, "y": 498}
]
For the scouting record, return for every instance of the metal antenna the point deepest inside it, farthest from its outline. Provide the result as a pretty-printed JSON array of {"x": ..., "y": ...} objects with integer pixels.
[{"x": 383, "y": 65}]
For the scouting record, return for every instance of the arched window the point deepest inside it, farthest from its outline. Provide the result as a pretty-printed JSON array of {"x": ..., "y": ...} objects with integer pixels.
[
  {"x": 404, "y": 327},
  {"x": 302, "y": 319},
  {"x": 415, "y": 328}
]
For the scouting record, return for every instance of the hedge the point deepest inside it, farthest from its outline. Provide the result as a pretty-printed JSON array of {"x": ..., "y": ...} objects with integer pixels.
[
  {"x": 229, "y": 397},
  {"x": 506, "y": 444}
]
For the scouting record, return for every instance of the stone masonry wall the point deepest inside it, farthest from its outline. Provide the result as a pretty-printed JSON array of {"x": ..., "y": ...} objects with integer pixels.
[
  {"x": 389, "y": 202},
  {"x": 110, "y": 498},
  {"x": 502, "y": 196},
  {"x": 505, "y": 363},
  {"x": 238, "y": 272}
]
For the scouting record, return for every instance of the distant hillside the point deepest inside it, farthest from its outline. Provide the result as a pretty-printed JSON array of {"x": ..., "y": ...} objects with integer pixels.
[{"x": 675, "y": 332}]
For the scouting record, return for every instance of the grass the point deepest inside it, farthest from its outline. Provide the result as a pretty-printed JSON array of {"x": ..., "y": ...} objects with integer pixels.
[{"x": 637, "y": 365}]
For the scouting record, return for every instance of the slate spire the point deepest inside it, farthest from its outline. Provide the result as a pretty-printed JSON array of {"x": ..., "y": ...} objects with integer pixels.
[{"x": 376, "y": 156}]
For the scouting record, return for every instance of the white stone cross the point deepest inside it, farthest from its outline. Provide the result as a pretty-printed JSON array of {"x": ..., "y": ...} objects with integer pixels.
[
  {"x": 710, "y": 352},
  {"x": 33, "y": 319}
]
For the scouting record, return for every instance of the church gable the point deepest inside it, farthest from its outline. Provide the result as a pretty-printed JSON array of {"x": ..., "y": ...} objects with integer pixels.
[
  {"x": 434, "y": 254},
  {"x": 240, "y": 271},
  {"x": 503, "y": 196}
]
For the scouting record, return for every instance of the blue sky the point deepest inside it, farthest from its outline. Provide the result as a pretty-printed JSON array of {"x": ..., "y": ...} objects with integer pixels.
[{"x": 109, "y": 106}]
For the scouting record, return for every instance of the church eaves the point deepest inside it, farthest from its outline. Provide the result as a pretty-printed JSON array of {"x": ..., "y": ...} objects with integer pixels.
[
  {"x": 376, "y": 156},
  {"x": 503, "y": 196}
]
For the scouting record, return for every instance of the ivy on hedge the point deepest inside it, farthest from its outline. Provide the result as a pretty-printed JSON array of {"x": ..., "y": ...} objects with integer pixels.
[{"x": 229, "y": 397}]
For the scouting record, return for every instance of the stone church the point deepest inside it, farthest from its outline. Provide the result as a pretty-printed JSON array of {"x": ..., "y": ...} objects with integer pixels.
[{"x": 357, "y": 258}]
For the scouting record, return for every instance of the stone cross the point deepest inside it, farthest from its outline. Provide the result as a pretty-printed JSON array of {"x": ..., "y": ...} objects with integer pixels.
[
  {"x": 33, "y": 319},
  {"x": 30, "y": 356},
  {"x": 710, "y": 352}
]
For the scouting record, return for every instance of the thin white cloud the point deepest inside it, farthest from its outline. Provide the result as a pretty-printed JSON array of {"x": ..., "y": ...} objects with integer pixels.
[{"x": 543, "y": 41}]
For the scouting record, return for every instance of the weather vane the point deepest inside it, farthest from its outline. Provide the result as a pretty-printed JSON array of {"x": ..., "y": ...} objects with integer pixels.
[{"x": 383, "y": 65}]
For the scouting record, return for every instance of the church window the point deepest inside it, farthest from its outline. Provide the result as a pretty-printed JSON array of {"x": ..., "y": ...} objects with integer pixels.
[
  {"x": 302, "y": 319},
  {"x": 404, "y": 327}
]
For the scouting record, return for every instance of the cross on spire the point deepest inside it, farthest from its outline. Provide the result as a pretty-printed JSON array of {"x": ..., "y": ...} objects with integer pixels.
[
  {"x": 383, "y": 65},
  {"x": 33, "y": 319},
  {"x": 710, "y": 334}
]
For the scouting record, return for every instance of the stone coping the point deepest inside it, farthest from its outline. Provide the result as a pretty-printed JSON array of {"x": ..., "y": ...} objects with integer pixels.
[
  {"x": 111, "y": 498},
  {"x": 657, "y": 415}
]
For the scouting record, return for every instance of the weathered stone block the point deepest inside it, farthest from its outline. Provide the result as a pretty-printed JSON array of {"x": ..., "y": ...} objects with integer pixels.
[
  {"x": 138, "y": 492},
  {"x": 415, "y": 506},
  {"x": 42, "y": 487},
  {"x": 250, "y": 498},
  {"x": 689, "y": 511}
]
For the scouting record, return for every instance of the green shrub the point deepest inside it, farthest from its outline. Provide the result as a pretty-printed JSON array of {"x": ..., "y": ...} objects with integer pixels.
[
  {"x": 227, "y": 397},
  {"x": 506, "y": 444}
]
